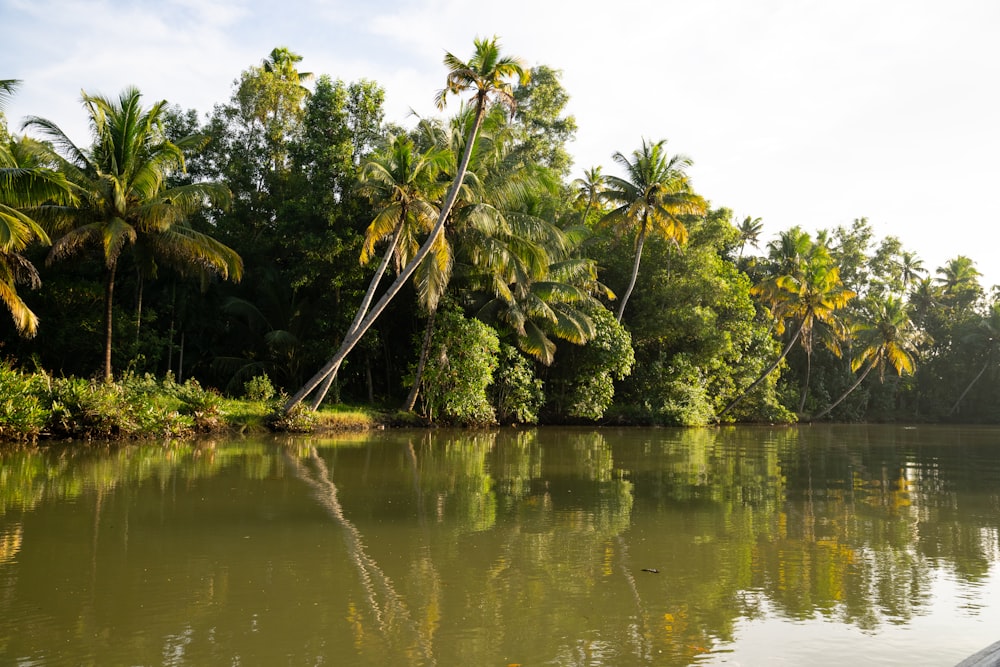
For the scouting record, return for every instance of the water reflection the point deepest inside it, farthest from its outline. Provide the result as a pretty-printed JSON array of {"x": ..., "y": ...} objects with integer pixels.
[{"x": 555, "y": 546}]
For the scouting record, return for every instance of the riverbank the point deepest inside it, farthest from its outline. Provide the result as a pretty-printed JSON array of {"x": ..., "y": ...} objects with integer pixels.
[{"x": 37, "y": 407}]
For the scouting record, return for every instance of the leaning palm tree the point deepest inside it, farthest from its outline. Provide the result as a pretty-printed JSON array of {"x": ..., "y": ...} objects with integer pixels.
[
  {"x": 124, "y": 200},
  {"x": 810, "y": 297},
  {"x": 651, "y": 199},
  {"x": 487, "y": 75},
  {"x": 404, "y": 185},
  {"x": 986, "y": 337},
  {"x": 887, "y": 336}
]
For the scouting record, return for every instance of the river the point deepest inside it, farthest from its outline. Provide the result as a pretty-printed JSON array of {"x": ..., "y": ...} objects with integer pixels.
[{"x": 818, "y": 545}]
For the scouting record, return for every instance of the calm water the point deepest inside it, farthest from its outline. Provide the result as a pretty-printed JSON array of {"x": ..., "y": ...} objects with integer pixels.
[{"x": 770, "y": 546}]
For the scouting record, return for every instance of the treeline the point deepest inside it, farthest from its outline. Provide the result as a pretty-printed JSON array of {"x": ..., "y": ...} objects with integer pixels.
[{"x": 250, "y": 242}]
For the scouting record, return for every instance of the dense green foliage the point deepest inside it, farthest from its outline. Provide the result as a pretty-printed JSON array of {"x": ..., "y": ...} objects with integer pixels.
[{"x": 298, "y": 184}]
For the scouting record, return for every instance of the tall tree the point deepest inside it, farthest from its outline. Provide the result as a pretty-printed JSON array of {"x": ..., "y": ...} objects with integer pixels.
[
  {"x": 810, "y": 294},
  {"x": 487, "y": 75},
  {"x": 885, "y": 336},
  {"x": 750, "y": 230},
  {"x": 651, "y": 198},
  {"x": 24, "y": 184},
  {"x": 120, "y": 181},
  {"x": 404, "y": 185},
  {"x": 985, "y": 336},
  {"x": 589, "y": 189}
]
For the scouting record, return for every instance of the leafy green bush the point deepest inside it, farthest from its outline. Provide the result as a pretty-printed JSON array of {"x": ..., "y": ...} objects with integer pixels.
[
  {"x": 258, "y": 388},
  {"x": 300, "y": 419},
  {"x": 517, "y": 392},
  {"x": 22, "y": 412},
  {"x": 460, "y": 367}
]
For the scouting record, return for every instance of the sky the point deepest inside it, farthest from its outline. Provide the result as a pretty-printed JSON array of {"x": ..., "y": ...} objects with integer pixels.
[{"x": 799, "y": 112}]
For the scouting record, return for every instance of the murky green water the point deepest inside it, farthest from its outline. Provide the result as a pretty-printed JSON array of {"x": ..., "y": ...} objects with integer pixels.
[{"x": 812, "y": 545}]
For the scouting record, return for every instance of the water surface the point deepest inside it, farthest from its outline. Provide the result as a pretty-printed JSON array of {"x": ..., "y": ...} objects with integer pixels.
[{"x": 735, "y": 546}]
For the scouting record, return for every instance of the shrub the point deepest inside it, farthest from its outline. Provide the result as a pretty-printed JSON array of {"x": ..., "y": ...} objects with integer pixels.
[
  {"x": 460, "y": 367},
  {"x": 258, "y": 388},
  {"x": 517, "y": 392},
  {"x": 22, "y": 413}
]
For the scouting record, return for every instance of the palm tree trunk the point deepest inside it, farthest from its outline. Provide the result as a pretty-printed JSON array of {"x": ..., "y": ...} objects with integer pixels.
[
  {"x": 109, "y": 291},
  {"x": 974, "y": 380},
  {"x": 784, "y": 353},
  {"x": 362, "y": 310},
  {"x": 352, "y": 339},
  {"x": 850, "y": 389},
  {"x": 425, "y": 349},
  {"x": 635, "y": 269},
  {"x": 805, "y": 386}
]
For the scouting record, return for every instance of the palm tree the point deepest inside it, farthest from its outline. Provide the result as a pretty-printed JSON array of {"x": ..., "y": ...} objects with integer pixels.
[
  {"x": 652, "y": 197},
  {"x": 589, "y": 189},
  {"x": 486, "y": 74},
  {"x": 404, "y": 185},
  {"x": 124, "y": 201},
  {"x": 25, "y": 183},
  {"x": 986, "y": 336},
  {"x": 911, "y": 268},
  {"x": 750, "y": 230},
  {"x": 809, "y": 297},
  {"x": 887, "y": 336}
]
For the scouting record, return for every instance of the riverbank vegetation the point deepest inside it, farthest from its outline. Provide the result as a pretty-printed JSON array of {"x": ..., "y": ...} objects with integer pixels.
[{"x": 181, "y": 261}]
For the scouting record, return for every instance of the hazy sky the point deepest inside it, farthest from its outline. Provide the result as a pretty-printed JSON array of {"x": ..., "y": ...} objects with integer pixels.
[{"x": 804, "y": 112}]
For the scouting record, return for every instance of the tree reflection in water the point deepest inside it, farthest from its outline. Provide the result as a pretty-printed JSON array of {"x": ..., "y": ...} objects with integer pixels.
[{"x": 493, "y": 547}]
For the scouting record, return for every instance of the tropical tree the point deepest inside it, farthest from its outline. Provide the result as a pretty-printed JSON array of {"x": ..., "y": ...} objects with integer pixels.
[
  {"x": 911, "y": 269},
  {"x": 651, "y": 199},
  {"x": 123, "y": 198},
  {"x": 589, "y": 189},
  {"x": 885, "y": 336},
  {"x": 810, "y": 296},
  {"x": 750, "y": 230},
  {"x": 487, "y": 75},
  {"x": 404, "y": 186},
  {"x": 24, "y": 184},
  {"x": 986, "y": 336}
]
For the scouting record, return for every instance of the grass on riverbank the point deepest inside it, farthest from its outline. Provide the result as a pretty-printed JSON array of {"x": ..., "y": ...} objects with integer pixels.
[{"x": 37, "y": 405}]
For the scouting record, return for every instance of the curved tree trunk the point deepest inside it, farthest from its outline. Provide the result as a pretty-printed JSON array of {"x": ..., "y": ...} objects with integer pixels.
[
  {"x": 635, "y": 269},
  {"x": 109, "y": 291},
  {"x": 362, "y": 310},
  {"x": 847, "y": 393},
  {"x": 351, "y": 339},
  {"x": 770, "y": 369},
  {"x": 974, "y": 381},
  {"x": 425, "y": 349}
]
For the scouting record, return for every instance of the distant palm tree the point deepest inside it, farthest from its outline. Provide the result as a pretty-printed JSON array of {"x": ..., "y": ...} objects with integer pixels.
[
  {"x": 486, "y": 74},
  {"x": 750, "y": 230},
  {"x": 987, "y": 338},
  {"x": 911, "y": 268},
  {"x": 885, "y": 336},
  {"x": 589, "y": 189},
  {"x": 651, "y": 199},
  {"x": 124, "y": 201}
]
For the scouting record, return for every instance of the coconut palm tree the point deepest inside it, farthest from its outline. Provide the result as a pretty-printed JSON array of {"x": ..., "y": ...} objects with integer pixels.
[
  {"x": 589, "y": 189},
  {"x": 25, "y": 183},
  {"x": 986, "y": 337},
  {"x": 404, "y": 186},
  {"x": 123, "y": 198},
  {"x": 750, "y": 230},
  {"x": 809, "y": 297},
  {"x": 911, "y": 269},
  {"x": 487, "y": 75},
  {"x": 885, "y": 336},
  {"x": 651, "y": 199}
]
